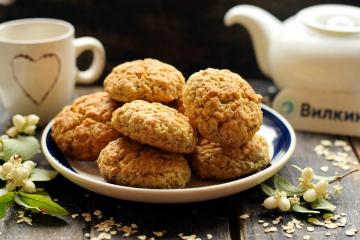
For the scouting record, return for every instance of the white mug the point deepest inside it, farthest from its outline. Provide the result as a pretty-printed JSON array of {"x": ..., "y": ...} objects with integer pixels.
[{"x": 38, "y": 65}]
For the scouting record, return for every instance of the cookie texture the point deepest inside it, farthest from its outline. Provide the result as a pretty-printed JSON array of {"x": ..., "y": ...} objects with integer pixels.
[
  {"x": 222, "y": 106},
  {"x": 126, "y": 162},
  {"x": 83, "y": 129},
  {"x": 147, "y": 79},
  {"x": 155, "y": 124},
  {"x": 212, "y": 161}
]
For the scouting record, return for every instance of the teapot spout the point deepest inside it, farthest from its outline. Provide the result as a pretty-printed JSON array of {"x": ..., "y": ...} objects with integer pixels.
[{"x": 261, "y": 26}]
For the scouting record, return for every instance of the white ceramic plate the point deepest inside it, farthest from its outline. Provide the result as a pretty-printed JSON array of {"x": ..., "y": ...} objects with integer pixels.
[{"x": 279, "y": 135}]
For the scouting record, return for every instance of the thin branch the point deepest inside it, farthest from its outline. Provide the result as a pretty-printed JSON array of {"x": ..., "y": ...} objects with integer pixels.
[{"x": 339, "y": 178}]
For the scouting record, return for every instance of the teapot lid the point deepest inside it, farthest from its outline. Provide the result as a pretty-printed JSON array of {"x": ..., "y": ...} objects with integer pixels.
[{"x": 333, "y": 18}]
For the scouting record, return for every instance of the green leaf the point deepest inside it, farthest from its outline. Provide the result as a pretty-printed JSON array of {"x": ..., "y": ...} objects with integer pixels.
[
  {"x": 282, "y": 184},
  {"x": 300, "y": 209},
  {"x": 317, "y": 177},
  {"x": 39, "y": 174},
  {"x": 323, "y": 204},
  {"x": 6, "y": 201},
  {"x": 26, "y": 146},
  {"x": 267, "y": 189},
  {"x": 21, "y": 203},
  {"x": 43, "y": 203}
]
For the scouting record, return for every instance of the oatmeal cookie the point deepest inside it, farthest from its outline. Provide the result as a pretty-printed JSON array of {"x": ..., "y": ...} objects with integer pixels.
[
  {"x": 222, "y": 106},
  {"x": 126, "y": 162},
  {"x": 82, "y": 129},
  {"x": 212, "y": 161},
  {"x": 155, "y": 124},
  {"x": 148, "y": 79}
]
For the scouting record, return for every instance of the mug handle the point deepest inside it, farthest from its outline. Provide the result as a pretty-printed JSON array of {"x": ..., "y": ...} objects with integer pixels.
[{"x": 97, "y": 66}]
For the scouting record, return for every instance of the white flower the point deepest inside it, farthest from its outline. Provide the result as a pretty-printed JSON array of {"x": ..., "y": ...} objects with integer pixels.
[
  {"x": 321, "y": 188},
  {"x": 271, "y": 203},
  {"x": 307, "y": 175},
  {"x": 284, "y": 204},
  {"x": 22, "y": 124},
  {"x": 17, "y": 174},
  {"x": 310, "y": 195}
]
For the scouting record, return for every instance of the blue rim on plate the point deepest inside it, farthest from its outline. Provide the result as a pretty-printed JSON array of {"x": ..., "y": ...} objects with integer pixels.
[{"x": 276, "y": 130}]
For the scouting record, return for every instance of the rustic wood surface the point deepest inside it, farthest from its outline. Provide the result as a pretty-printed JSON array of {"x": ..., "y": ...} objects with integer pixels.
[{"x": 218, "y": 217}]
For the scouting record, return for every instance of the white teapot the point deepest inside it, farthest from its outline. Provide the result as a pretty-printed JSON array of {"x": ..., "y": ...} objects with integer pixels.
[{"x": 318, "y": 48}]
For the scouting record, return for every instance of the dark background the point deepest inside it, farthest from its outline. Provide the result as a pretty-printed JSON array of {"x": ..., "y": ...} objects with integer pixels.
[{"x": 188, "y": 34}]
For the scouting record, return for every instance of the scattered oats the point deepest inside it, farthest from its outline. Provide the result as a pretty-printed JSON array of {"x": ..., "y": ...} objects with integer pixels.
[
  {"x": 326, "y": 143},
  {"x": 94, "y": 238},
  {"x": 261, "y": 221},
  {"x": 275, "y": 222},
  {"x": 331, "y": 225},
  {"x": 273, "y": 229},
  {"x": 158, "y": 234},
  {"x": 310, "y": 229},
  {"x": 265, "y": 225},
  {"x": 75, "y": 215},
  {"x": 104, "y": 236},
  {"x": 152, "y": 238},
  {"x": 340, "y": 143},
  {"x": 298, "y": 226},
  {"x": 343, "y": 214},
  {"x": 288, "y": 235},
  {"x": 113, "y": 232},
  {"x": 87, "y": 219},
  {"x": 266, "y": 230},
  {"x": 97, "y": 212},
  {"x": 55, "y": 200},
  {"x": 127, "y": 234},
  {"x": 328, "y": 234},
  {"x": 343, "y": 220},
  {"x": 244, "y": 216},
  {"x": 307, "y": 237},
  {"x": 133, "y": 225},
  {"x": 324, "y": 168},
  {"x": 141, "y": 237},
  {"x": 349, "y": 232},
  {"x": 209, "y": 236},
  {"x": 347, "y": 148},
  {"x": 87, "y": 235}
]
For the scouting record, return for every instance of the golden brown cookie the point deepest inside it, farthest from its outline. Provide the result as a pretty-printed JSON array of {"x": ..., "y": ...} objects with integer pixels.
[
  {"x": 82, "y": 129},
  {"x": 212, "y": 161},
  {"x": 222, "y": 106},
  {"x": 148, "y": 79},
  {"x": 155, "y": 124},
  {"x": 126, "y": 162}
]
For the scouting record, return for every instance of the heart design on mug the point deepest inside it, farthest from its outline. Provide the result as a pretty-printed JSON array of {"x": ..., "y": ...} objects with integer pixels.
[{"x": 36, "y": 77}]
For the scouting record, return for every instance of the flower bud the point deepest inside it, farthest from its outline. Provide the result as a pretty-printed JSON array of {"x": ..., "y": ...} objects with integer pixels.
[
  {"x": 310, "y": 195},
  {"x": 270, "y": 203},
  {"x": 10, "y": 186},
  {"x": 7, "y": 167},
  {"x": 30, "y": 130},
  {"x": 307, "y": 174},
  {"x": 18, "y": 122},
  {"x": 32, "y": 119},
  {"x": 284, "y": 204},
  {"x": 12, "y": 132},
  {"x": 321, "y": 187},
  {"x": 22, "y": 173},
  {"x": 30, "y": 165},
  {"x": 29, "y": 186}
]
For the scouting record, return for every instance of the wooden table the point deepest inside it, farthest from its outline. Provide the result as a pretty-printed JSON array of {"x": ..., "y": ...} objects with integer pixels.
[{"x": 220, "y": 217}]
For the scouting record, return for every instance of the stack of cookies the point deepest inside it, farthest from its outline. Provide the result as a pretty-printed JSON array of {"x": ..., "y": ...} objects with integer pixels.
[
  {"x": 226, "y": 112},
  {"x": 141, "y": 128}
]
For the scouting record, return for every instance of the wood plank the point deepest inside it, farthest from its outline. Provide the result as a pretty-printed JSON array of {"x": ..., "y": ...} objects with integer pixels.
[{"x": 250, "y": 201}]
